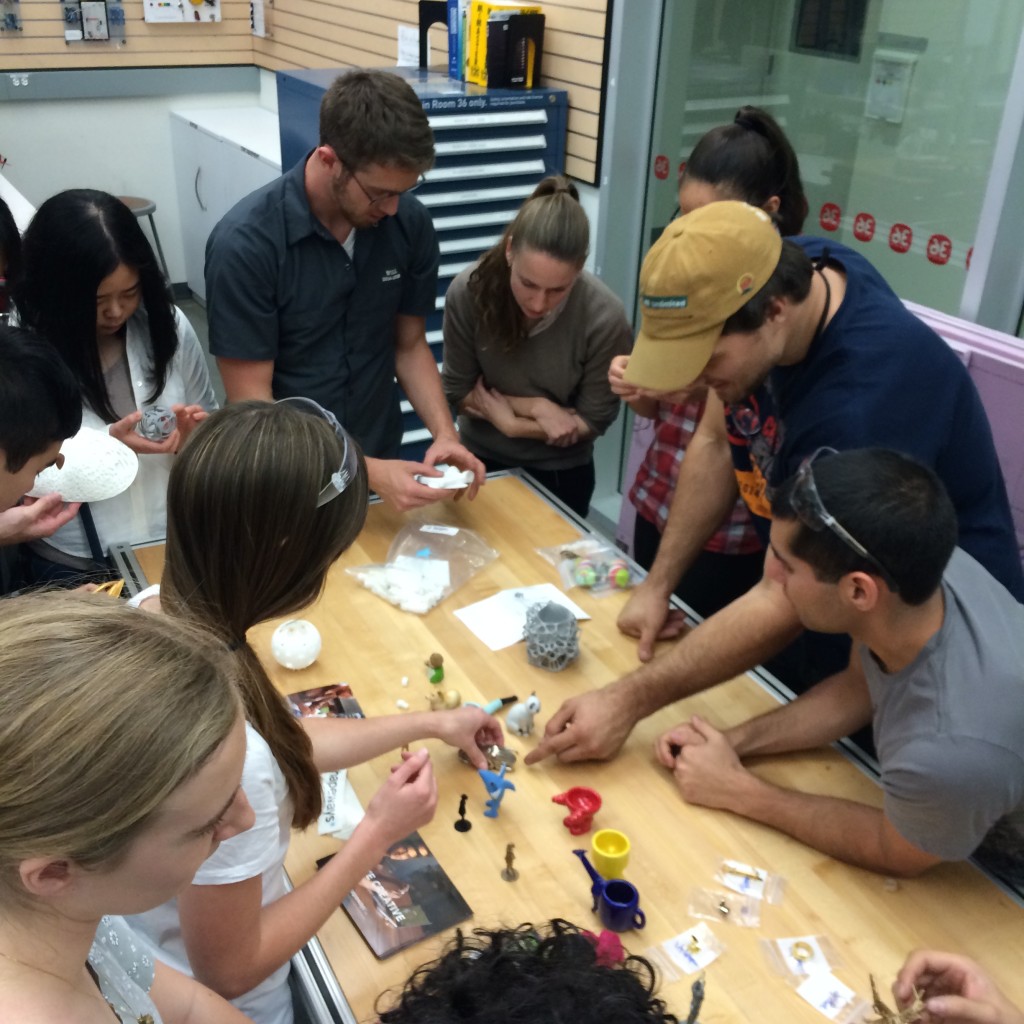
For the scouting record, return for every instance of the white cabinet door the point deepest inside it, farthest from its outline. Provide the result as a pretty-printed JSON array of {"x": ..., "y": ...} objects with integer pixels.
[
  {"x": 212, "y": 175},
  {"x": 247, "y": 172},
  {"x": 198, "y": 158}
]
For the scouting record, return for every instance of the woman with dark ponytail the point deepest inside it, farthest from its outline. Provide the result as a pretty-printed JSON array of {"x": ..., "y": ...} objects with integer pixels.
[
  {"x": 528, "y": 337},
  {"x": 751, "y": 160}
]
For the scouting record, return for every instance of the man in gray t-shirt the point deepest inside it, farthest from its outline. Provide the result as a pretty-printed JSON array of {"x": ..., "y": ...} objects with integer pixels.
[{"x": 863, "y": 542}]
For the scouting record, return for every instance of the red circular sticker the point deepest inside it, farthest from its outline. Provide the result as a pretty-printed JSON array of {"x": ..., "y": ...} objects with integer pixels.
[
  {"x": 863, "y": 227},
  {"x": 900, "y": 237},
  {"x": 661, "y": 167},
  {"x": 830, "y": 216},
  {"x": 940, "y": 248}
]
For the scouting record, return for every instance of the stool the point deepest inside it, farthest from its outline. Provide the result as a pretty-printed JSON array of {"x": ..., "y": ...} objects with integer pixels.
[{"x": 146, "y": 208}]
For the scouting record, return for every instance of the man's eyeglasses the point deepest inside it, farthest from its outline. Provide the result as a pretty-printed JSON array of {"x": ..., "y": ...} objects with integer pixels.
[
  {"x": 384, "y": 196},
  {"x": 811, "y": 511},
  {"x": 349, "y": 467}
]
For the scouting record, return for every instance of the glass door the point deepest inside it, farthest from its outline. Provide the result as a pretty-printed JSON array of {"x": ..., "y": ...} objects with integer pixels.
[{"x": 893, "y": 107}]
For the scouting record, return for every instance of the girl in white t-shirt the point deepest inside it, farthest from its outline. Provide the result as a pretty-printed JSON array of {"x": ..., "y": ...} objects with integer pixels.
[{"x": 261, "y": 501}]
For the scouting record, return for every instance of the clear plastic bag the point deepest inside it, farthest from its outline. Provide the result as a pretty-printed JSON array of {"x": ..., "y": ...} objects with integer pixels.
[
  {"x": 728, "y": 907},
  {"x": 796, "y": 957},
  {"x": 426, "y": 562},
  {"x": 687, "y": 953},
  {"x": 750, "y": 881},
  {"x": 832, "y": 998},
  {"x": 591, "y": 564}
]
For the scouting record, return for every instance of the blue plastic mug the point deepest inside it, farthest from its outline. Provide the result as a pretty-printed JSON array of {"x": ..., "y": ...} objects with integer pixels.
[{"x": 618, "y": 906}]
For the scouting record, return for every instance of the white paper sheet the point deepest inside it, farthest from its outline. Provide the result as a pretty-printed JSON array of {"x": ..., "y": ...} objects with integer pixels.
[{"x": 499, "y": 620}]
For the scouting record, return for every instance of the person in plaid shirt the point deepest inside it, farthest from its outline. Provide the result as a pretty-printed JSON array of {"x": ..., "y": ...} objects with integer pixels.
[{"x": 731, "y": 561}]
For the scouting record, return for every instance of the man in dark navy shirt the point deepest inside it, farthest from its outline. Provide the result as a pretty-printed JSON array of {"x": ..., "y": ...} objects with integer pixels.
[
  {"x": 803, "y": 355},
  {"x": 318, "y": 284}
]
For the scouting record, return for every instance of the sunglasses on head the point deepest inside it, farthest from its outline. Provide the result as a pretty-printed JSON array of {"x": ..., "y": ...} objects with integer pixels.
[
  {"x": 811, "y": 511},
  {"x": 346, "y": 472}
]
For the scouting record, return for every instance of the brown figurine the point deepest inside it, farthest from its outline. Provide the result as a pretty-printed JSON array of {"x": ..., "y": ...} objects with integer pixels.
[
  {"x": 510, "y": 874},
  {"x": 886, "y": 1016}
]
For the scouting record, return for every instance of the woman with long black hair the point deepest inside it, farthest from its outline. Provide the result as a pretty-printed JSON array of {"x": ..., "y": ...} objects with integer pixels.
[{"x": 91, "y": 285}]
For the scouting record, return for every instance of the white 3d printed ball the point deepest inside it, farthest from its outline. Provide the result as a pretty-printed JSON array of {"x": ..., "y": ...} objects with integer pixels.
[{"x": 295, "y": 644}]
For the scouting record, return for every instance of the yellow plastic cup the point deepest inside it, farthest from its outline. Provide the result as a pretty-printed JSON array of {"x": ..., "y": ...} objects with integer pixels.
[{"x": 610, "y": 850}]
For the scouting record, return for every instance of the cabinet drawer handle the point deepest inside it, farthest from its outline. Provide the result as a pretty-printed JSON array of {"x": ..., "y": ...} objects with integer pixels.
[{"x": 195, "y": 188}]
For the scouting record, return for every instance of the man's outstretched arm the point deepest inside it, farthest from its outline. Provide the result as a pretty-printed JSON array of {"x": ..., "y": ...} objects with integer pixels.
[
  {"x": 705, "y": 492},
  {"x": 593, "y": 726}
]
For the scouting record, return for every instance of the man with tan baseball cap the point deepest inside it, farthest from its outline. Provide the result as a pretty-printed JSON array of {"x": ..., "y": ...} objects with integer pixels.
[
  {"x": 801, "y": 345},
  {"x": 704, "y": 267}
]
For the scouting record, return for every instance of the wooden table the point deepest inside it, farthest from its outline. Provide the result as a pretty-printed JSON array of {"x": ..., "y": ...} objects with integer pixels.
[{"x": 372, "y": 645}]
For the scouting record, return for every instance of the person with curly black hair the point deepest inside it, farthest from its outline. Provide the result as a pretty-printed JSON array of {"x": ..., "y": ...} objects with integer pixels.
[{"x": 555, "y": 973}]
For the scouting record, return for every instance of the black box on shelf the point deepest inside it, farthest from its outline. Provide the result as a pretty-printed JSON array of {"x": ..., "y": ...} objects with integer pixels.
[{"x": 515, "y": 46}]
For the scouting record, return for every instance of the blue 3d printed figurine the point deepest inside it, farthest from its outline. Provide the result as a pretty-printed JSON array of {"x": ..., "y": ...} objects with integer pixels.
[{"x": 496, "y": 784}]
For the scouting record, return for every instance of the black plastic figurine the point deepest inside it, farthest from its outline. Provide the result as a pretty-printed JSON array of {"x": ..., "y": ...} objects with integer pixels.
[{"x": 462, "y": 825}]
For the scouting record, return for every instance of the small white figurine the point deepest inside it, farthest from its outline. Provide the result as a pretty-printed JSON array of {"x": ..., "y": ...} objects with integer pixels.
[
  {"x": 520, "y": 716},
  {"x": 452, "y": 478}
]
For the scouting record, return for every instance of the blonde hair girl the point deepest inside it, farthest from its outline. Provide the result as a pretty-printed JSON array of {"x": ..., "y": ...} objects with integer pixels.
[{"x": 122, "y": 744}]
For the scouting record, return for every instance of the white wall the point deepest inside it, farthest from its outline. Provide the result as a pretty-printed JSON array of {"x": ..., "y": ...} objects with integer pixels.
[{"x": 121, "y": 146}]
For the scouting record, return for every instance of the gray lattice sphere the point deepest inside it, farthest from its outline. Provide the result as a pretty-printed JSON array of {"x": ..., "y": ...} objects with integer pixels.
[
  {"x": 157, "y": 423},
  {"x": 552, "y": 636}
]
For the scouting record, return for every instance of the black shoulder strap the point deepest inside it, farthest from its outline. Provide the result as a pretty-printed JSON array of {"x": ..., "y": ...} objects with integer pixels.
[{"x": 91, "y": 535}]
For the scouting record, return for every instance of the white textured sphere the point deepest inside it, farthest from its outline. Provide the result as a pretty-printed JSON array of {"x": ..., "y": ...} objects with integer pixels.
[{"x": 295, "y": 644}]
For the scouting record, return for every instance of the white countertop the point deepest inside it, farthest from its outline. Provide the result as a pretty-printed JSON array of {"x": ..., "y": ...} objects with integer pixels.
[{"x": 252, "y": 128}]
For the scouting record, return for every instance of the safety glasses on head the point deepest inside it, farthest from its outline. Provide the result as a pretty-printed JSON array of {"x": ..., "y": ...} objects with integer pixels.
[
  {"x": 346, "y": 472},
  {"x": 811, "y": 511}
]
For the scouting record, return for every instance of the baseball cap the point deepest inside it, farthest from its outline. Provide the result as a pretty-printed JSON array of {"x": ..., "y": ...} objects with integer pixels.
[{"x": 705, "y": 267}]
